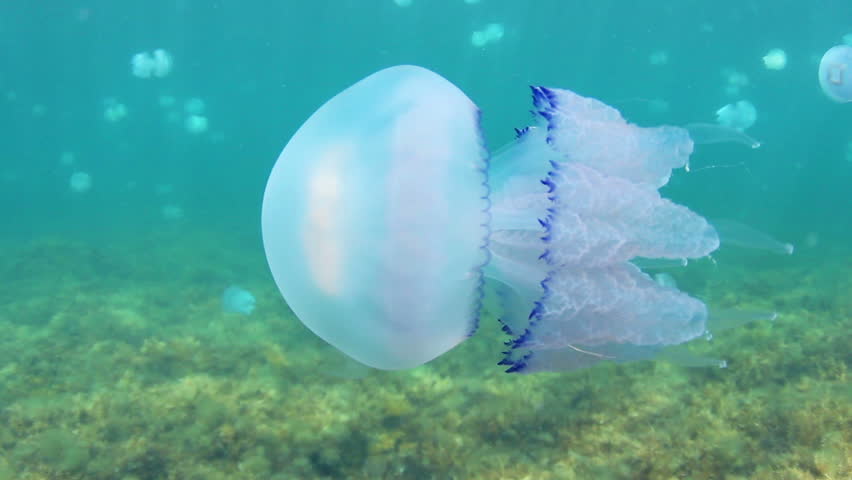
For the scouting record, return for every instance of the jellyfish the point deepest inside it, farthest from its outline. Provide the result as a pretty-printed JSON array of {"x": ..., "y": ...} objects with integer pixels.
[
  {"x": 194, "y": 106},
  {"x": 171, "y": 212},
  {"x": 114, "y": 111},
  {"x": 146, "y": 65},
  {"x": 659, "y": 57},
  {"x": 835, "y": 73},
  {"x": 80, "y": 182},
  {"x": 196, "y": 124},
  {"x": 375, "y": 219},
  {"x": 775, "y": 59},
  {"x": 739, "y": 116},
  {"x": 492, "y": 32},
  {"x": 237, "y": 300},
  {"x": 735, "y": 81},
  {"x": 67, "y": 158},
  {"x": 387, "y": 225}
]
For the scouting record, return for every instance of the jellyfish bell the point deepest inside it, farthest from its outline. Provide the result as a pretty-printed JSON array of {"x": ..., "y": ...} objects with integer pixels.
[
  {"x": 80, "y": 182},
  {"x": 163, "y": 62},
  {"x": 142, "y": 65},
  {"x": 147, "y": 65},
  {"x": 196, "y": 124},
  {"x": 374, "y": 218},
  {"x": 835, "y": 73},
  {"x": 659, "y": 57},
  {"x": 739, "y": 116},
  {"x": 775, "y": 59},
  {"x": 491, "y": 33}
]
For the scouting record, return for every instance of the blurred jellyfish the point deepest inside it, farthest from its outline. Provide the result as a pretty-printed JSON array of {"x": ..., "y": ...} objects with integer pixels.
[
  {"x": 835, "y": 73},
  {"x": 163, "y": 189},
  {"x": 196, "y": 124},
  {"x": 194, "y": 106},
  {"x": 166, "y": 101},
  {"x": 478, "y": 39},
  {"x": 172, "y": 212},
  {"x": 658, "y": 58},
  {"x": 735, "y": 81},
  {"x": 11, "y": 95},
  {"x": 739, "y": 116},
  {"x": 492, "y": 32},
  {"x": 141, "y": 65},
  {"x": 147, "y": 65},
  {"x": 39, "y": 110},
  {"x": 847, "y": 39},
  {"x": 402, "y": 3},
  {"x": 114, "y": 111},
  {"x": 80, "y": 182},
  {"x": 238, "y": 300},
  {"x": 162, "y": 63},
  {"x": 811, "y": 239},
  {"x": 471, "y": 2},
  {"x": 775, "y": 59},
  {"x": 66, "y": 158}
]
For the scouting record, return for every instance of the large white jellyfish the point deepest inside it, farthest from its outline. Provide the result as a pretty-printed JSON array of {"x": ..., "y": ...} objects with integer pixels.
[
  {"x": 375, "y": 219},
  {"x": 386, "y": 227},
  {"x": 835, "y": 73}
]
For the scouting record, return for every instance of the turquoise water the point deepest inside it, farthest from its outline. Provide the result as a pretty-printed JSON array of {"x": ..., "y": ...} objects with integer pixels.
[{"x": 117, "y": 361}]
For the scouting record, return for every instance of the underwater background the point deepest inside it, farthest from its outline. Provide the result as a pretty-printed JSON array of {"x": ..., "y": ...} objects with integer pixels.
[{"x": 131, "y": 202}]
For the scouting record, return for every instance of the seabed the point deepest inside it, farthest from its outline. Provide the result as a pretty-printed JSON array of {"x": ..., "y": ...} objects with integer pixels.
[{"x": 117, "y": 362}]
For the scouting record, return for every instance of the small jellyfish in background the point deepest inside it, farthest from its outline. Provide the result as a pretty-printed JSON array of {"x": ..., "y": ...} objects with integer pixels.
[
  {"x": 492, "y": 32},
  {"x": 196, "y": 124},
  {"x": 403, "y": 3},
  {"x": 835, "y": 73},
  {"x": 194, "y": 106},
  {"x": 162, "y": 189},
  {"x": 146, "y": 65},
  {"x": 80, "y": 182},
  {"x": 735, "y": 81},
  {"x": 387, "y": 225},
  {"x": 67, "y": 159},
  {"x": 658, "y": 58},
  {"x": 237, "y": 300},
  {"x": 775, "y": 59},
  {"x": 114, "y": 111},
  {"x": 739, "y": 116},
  {"x": 471, "y": 2},
  {"x": 166, "y": 101},
  {"x": 38, "y": 110},
  {"x": 171, "y": 212}
]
